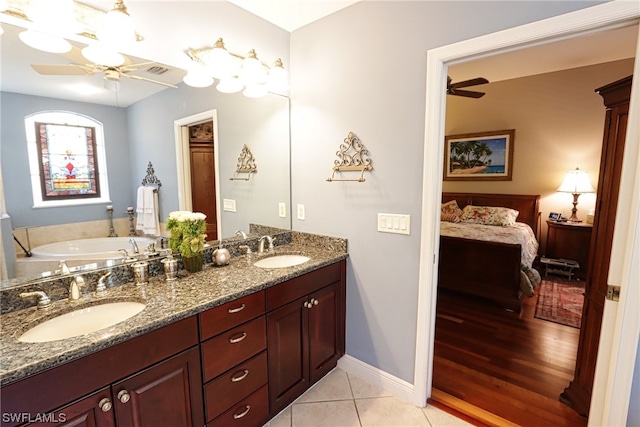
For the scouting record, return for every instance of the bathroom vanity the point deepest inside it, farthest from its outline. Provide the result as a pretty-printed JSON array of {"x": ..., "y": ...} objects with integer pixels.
[{"x": 228, "y": 346}]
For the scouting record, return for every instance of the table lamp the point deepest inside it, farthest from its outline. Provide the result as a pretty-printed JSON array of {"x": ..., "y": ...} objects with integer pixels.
[{"x": 576, "y": 182}]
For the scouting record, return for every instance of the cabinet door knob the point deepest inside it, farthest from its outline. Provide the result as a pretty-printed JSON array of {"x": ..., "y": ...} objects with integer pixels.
[
  {"x": 237, "y": 309},
  {"x": 307, "y": 304},
  {"x": 124, "y": 396},
  {"x": 240, "y": 377},
  {"x": 105, "y": 404},
  {"x": 314, "y": 301},
  {"x": 238, "y": 339},
  {"x": 243, "y": 413}
]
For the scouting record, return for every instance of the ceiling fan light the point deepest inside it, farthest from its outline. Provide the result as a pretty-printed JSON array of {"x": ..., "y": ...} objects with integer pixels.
[
  {"x": 255, "y": 91},
  {"x": 44, "y": 42},
  {"x": 118, "y": 31},
  {"x": 100, "y": 54},
  {"x": 229, "y": 85}
]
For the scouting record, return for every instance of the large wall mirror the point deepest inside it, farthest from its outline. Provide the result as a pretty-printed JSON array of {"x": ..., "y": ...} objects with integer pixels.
[{"x": 138, "y": 133}]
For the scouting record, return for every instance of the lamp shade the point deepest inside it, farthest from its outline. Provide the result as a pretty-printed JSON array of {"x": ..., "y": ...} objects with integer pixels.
[{"x": 576, "y": 182}]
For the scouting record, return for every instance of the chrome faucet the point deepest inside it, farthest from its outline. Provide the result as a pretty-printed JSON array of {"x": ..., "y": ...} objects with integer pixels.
[
  {"x": 269, "y": 240},
  {"x": 101, "y": 288},
  {"x": 74, "y": 288},
  {"x": 241, "y": 234},
  {"x": 43, "y": 299},
  {"x": 134, "y": 245},
  {"x": 63, "y": 267}
]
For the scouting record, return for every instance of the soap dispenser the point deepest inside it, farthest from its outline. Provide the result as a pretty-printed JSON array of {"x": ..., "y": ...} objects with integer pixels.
[{"x": 221, "y": 255}]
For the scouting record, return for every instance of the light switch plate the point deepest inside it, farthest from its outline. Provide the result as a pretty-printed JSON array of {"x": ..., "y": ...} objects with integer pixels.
[
  {"x": 301, "y": 215},
  {"x": 282, "y": 210},
  {"x": 229, "y": 205},
  {"x": 394, "y": 223}
]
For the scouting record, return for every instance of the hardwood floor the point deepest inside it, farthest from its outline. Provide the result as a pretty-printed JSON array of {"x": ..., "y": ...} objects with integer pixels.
[{"x": 500, "y": 367}]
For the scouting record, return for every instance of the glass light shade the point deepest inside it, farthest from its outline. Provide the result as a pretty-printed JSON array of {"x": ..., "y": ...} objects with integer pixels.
[
  {"x": 576, "y": 182},
  {"x": 44, "y": 42},
  {"x": 253, "y": 72},
  {"x": 118, "y": 31},
  {"x": 56, "y": 16},
  {"x": 219, "y": 61},
  {"x": 100, "y": 54},
  {"x": 197, "y": 77},
  {"x": 255, "y": 91},
  {"x": 278, "y": 77},
  {"x": 229, "y": 85}
]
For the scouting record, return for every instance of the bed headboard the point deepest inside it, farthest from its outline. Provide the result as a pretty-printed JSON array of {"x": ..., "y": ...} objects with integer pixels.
[{"x": 527, "y": 205}]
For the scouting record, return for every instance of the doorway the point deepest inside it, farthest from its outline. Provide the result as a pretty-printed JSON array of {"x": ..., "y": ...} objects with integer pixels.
[
  {"x": 197, "y": 162},
  {"x": 613, "y": 403}
]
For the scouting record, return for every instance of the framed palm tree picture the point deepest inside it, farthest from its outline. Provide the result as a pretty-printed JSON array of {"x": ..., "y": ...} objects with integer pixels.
[{"x": 484, "y": 156}]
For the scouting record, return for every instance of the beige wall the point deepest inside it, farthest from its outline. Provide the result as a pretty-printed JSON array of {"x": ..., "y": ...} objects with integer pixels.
[{"x": 558, "y": 119}]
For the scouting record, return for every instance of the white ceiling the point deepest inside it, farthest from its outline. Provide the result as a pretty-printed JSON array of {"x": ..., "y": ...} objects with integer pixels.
[{"x": 16, "y": 75}]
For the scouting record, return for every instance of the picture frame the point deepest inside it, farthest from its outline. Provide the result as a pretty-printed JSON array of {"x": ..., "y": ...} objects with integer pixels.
[{"x": 482, "y": 156}]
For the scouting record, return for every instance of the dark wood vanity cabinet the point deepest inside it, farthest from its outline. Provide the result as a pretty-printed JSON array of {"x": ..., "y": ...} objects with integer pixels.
[
  {"x": 234, "y": 362},
  {"x": 140, "y": 382},
  {"x": 305, "y": 326}
]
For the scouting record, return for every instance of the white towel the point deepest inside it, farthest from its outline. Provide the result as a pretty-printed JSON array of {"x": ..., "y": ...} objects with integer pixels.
[{"x": 148, "y": 220}]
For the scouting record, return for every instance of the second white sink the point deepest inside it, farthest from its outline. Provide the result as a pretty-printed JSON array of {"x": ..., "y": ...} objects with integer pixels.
[
  {"x": 82, "y": 321},
  {"x": 281, "y": 261}
]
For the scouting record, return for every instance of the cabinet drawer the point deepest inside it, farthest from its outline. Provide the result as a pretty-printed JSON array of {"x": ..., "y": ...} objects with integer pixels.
[
  {"x": 252, "y": 411},
  {"x": 226, "y": 350},
  {"x": 303, "y": 285},
  {"x": 234, "y": 385},
  {"x": 231, "y": 314}
]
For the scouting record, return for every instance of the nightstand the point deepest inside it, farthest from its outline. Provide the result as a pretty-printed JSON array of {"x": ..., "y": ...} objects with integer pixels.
[{"x": 570, "y": 240}]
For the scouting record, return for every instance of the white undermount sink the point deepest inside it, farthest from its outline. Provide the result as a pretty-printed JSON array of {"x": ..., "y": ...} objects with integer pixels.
[
  {"x": 82, "y": 321},
  {"x": 281, "y": 261}
]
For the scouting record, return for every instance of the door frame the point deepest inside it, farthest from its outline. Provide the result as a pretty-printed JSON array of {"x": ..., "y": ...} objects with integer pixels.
[
  {"x": 612, "y": 386},
  {"x": 183, "y": 162}
]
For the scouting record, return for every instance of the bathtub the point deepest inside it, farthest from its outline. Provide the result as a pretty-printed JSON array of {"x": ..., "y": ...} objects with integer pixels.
[{"x": 100, "y": 248}]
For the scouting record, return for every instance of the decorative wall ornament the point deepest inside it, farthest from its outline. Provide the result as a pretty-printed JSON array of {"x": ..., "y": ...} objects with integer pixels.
[
  {"x": 353, "y": 157},
  {"x": 151, "y": 178},
  {"x": 246, "y": 165}
]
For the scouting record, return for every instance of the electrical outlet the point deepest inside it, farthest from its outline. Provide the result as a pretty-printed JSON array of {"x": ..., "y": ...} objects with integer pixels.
[
  {"x": 301, "y": 212},
  {"x": 282, "y": 210}
]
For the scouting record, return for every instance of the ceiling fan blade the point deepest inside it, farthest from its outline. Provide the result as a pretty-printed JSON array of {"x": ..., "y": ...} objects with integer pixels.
[
  {"x": 63, "y": 70},
  {"x": 466, "y": 93},
  {"x": 149, "y": 80},
  {"x": 472, "y": 82},
  {"x": 75, "y": 55}
]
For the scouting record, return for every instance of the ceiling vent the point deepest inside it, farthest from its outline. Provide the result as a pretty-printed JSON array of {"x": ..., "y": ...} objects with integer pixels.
[{"x": 157, "y": 70}]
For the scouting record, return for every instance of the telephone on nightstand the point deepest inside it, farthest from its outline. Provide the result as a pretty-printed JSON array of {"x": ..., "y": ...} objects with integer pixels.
[{"x": 557, "y": 217}]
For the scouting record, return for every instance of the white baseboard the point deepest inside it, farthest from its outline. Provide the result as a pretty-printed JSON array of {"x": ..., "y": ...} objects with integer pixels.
[{"x": 377, "y": 377}]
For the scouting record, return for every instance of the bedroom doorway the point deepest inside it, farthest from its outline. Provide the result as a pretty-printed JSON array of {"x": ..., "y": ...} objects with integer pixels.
[{"x": 611, "y": 404}]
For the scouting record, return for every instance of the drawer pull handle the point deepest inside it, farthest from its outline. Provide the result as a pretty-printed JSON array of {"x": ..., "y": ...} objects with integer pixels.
[
  {"x": 237, "y": 340},
  {"x": 124, "y": 396},
  {"x": 242, "y": 414},
  {"x": 236, "y": 310},
  {"x": 105, "y": 404},
  {"x": 241, "y": 377}
]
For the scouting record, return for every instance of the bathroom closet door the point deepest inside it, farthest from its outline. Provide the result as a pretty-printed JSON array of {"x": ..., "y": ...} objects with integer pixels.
[{"x": 203, "y": 184}]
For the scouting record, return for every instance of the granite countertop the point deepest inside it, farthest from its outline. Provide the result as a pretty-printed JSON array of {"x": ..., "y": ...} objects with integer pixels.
[{"x": 166, "y": 302}]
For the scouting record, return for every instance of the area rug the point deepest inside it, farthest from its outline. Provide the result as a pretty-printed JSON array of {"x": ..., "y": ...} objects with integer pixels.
[{"x": 560, "y": 301}]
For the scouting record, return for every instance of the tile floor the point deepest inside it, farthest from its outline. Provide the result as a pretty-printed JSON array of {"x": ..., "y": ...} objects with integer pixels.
[{"x": 343, "y": 400}]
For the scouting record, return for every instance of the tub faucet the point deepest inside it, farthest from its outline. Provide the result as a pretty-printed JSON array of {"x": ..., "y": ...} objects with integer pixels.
[
  {"x": 134, "y": 245},
  {"x": 269, "y": 240},
  {"x": 63, "y": 267},
  {"x": 74, "y": 288},
  {"x": 101, "y": 288}
]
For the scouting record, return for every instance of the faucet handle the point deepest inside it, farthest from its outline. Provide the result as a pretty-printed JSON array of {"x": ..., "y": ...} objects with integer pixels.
[
  {"x": 43, "y": 299},
  {"x": 246, "y": 248},
  {"x": 101, "y": 288},
  {"x": 62, "y": 265}
]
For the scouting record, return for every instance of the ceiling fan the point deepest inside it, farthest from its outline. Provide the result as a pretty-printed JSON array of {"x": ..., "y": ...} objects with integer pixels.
[
  {"x": 454, "y": 88},
  {"x": 111, "y": 74}
]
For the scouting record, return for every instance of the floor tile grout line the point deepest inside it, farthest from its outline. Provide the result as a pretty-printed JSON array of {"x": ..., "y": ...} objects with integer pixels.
[{"x": 353, "y": 397}]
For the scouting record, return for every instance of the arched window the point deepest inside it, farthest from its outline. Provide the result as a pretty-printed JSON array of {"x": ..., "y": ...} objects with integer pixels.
[{"x": 67, "y": 159}]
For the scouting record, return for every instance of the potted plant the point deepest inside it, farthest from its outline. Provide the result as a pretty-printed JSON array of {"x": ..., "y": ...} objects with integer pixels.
[{"x": 187, "y": 237}]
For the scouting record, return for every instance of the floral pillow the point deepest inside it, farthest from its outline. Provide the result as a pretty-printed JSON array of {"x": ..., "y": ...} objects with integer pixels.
[
  {"x": 449, "y": 217},
  {"x": 489, "y": 215},
  {"x": 451, "y": 207}
]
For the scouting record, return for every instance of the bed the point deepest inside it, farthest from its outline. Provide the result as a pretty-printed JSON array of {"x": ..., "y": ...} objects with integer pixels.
[{"x": 497, "y": 271}]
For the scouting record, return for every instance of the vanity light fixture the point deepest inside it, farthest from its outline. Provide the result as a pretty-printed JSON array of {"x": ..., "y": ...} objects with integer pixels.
[
  {"x": 236, "y": 72},
  {"x": 117, "y": 32},
  {"x": 576, "y": 182}
]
